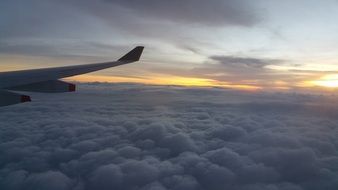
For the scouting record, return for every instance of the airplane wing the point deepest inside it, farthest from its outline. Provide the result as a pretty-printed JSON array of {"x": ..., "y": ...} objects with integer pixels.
[{"x": 46, "y": 80}]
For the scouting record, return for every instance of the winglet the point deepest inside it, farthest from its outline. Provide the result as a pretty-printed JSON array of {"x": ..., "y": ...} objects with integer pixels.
[{"x": 133, "y": 55}]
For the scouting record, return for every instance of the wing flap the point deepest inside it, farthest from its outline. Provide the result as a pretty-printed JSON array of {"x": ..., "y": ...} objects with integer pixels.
[
  {"x": 51, "y": 86},
  {"x": 9, "y": 98}
]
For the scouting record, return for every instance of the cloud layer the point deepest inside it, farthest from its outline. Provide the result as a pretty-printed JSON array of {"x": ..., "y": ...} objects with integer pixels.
[
  {"x": 67, "y": 28},
  {"x": 147, "y": 137}
]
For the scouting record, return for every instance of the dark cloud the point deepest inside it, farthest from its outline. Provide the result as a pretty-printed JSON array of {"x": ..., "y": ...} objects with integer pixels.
[
  {"x": 150, "y": 137},
  {"x": 232, "y": 69},
  {"x": 235, "y": 61},
  {"x": 40, "y": 19},
  {"x": 80, "y": 19},
  {"x": 215, "y": 12},
  {"x": 123, "y": 22}
]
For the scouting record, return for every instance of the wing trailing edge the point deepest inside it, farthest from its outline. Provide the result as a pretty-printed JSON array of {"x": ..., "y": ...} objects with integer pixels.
[
  {"x": 50, "y": 86},
  {"x": 47, "y": 79},
  {"x": 9, "y": 98}
]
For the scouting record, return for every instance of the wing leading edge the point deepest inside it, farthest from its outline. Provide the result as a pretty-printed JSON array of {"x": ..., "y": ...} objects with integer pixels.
[
  {"x": 16, "y": 78},
  {"x": 32, "y": 78}
]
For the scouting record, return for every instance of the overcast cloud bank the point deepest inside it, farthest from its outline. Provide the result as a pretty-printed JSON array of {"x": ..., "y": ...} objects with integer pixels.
[{"x": 150, "y": 137}]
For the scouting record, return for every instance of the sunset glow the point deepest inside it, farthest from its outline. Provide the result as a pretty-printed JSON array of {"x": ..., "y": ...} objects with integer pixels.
[
  {"x": 168, "y": 95},
  {"x": 165, "y": 80},
  {"x": 230, "y": 44},
  {"x": 329, "y": 81}
]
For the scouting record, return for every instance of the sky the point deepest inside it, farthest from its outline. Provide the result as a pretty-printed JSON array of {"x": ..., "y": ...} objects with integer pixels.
[
  {"x": 142, "y": 137},
  {"x": 241, "y": 44}
]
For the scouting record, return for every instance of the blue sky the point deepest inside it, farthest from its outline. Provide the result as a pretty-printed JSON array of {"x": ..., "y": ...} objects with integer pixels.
[{"x": 269, "y": 45}]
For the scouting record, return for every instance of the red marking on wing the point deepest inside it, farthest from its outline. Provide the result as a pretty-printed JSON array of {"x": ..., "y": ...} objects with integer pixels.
[
  {"x": 25, "y": 98},
  {"x": 72, "y": 87}
]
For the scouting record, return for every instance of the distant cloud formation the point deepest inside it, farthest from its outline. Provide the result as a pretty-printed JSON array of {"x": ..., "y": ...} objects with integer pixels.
[
  {"x": 242, "y": 70},
  {"x": 125, "y": 136},
  {"x": 234, "y": 61}
]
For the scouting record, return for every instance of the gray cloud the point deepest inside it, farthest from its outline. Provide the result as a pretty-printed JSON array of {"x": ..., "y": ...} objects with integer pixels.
[
  {"x": 234, "y": 69},
  {"x": 126, "y": 136},
  {"x": 64, "y": 49},
  {"x": 79, "y": 19},
  {"x": 215, "y": 12},
  {"x": 168, "y": 22},
  {"x": 235, "y": 61}
]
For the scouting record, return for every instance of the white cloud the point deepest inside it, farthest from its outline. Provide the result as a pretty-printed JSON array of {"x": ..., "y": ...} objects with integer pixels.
[{"x": 150, "y": 137}]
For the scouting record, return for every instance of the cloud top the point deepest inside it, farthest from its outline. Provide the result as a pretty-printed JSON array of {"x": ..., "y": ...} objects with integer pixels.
[{"x": 150, "y": 137}]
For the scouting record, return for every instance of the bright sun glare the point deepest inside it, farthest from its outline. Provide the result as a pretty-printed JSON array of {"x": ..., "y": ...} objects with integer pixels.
[
  {"x": 330, "y": 81},
  {"x": 166, "y": 80}
]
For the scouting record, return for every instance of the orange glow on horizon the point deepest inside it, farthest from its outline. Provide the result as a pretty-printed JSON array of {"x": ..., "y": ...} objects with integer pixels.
[
  {"x": 329, "y": 81},
  {"x": 166, "y": 80}
]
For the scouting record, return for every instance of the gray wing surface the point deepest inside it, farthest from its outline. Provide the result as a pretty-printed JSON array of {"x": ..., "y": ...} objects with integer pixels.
[
  {"x": 15, "y": 78},
  {"x": 31, "y": 80}
]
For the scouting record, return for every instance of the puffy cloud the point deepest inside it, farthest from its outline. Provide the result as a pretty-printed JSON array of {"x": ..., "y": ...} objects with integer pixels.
[
  {"x": 107, "y": 177},
  {"x": 53, "y": 180},
  {"x": 115, "y": 136},
  {"x": 178, "y": 143},
  {"x": 48, "y": 180}
]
